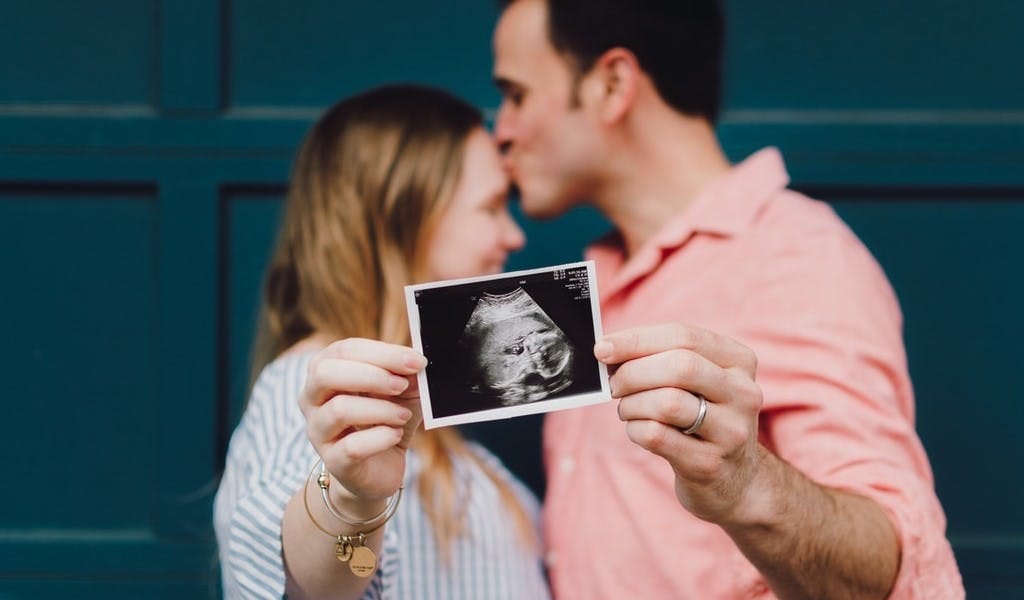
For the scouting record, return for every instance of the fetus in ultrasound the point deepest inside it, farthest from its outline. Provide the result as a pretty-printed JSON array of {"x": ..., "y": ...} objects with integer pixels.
[{"x": 517, "y": 353}]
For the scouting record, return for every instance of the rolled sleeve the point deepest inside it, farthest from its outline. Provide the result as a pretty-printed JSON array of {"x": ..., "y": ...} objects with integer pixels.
[
  {"x": 843, "y": 441},
  {"x": 927, "y": 566},
  {"x": 839, "y": 404}
]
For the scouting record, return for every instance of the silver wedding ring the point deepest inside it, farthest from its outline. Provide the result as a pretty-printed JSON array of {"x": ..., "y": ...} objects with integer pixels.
[{"x": 702, "y": 412}]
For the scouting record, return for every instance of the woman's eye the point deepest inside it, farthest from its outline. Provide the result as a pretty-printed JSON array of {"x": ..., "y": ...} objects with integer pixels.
[{"x": 497, "y": 207}]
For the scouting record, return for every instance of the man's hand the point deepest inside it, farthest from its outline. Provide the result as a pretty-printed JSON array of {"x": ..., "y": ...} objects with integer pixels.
[
  {"x": 661, "y": 373},
  {"x": 806, "y": 540}
]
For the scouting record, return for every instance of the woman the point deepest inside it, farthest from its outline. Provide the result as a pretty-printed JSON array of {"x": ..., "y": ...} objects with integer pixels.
[{"x": 398, "y": 185}]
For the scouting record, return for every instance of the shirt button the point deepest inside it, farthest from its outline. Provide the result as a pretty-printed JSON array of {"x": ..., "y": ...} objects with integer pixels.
[
  {"x": 550, "y": 559},
  {"x": 567, "y": 464}
]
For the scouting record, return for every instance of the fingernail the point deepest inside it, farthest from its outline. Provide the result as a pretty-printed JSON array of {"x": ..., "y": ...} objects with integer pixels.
[
  {"x": 397, "y": 384},
  {"x": 404, "y": 414},
  {"x": 603, "y": 350},
  {"x": 415, "y": 361}
]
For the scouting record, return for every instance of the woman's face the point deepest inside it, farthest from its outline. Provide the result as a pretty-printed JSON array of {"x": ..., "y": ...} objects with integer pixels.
[{"x": 476, "y": 232}]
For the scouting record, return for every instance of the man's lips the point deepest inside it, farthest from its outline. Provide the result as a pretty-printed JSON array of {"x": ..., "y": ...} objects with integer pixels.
[{"x": 510, "y": 168}]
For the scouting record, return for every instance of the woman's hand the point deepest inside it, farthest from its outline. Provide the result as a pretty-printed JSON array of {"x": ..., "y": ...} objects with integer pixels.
[{"x": 361, "y": 403}]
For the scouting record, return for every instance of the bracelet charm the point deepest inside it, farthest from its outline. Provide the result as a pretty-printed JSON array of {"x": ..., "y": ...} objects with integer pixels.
[
  {"x": 364, "y": 561},
  {"x": 342, "y": 549},
  {"x": 352, "y": 549}
]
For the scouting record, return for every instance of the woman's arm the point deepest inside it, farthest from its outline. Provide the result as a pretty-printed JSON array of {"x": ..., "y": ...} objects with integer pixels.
[{"x": 361, "y": 406}]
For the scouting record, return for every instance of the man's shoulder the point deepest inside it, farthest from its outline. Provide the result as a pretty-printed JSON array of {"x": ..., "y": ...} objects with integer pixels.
[
  {"x": 797, "y": 227},
  {"x": 794, "y": 220},
  {"x": 792, "y": 209}
]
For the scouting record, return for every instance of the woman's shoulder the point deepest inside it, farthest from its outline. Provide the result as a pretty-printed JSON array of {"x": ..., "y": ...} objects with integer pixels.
[
  {"x": 285, "y": 375},
  {"x": 292, "y": 361},
  {"x": 273, "y": 399}
]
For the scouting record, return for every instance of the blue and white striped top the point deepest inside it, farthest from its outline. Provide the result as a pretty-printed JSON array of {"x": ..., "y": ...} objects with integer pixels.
[{"x": 267, "y": 462}]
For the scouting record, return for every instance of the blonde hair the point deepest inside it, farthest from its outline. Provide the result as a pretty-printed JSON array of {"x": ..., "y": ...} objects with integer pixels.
[{"x": 370, "y": 180}]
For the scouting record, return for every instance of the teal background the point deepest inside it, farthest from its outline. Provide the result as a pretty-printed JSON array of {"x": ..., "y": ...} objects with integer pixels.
[{"x": 145, "y": 147}]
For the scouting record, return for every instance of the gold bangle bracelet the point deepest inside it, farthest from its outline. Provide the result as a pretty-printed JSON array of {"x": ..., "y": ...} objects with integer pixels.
[
  {"x": 323, "y": 481},
  {"x": 351, "y": 548},
  {"x": 384, "y": 517}
]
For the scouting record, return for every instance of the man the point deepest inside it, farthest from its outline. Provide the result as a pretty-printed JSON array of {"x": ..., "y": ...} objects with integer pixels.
[{"x": 809, "y": 482}]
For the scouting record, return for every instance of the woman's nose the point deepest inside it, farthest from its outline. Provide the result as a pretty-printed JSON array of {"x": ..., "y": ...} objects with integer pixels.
[{"x": 515, "y": 238}]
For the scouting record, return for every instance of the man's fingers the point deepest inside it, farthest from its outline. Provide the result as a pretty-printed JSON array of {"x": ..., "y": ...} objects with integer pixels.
[
  {"x": 671, "y": 406},
  {"x": 663, "y": 440},
  {"x": 637, "y": 342},
  {"x": 679, "y": 409},
  {"x": 684, "y": 369},
  {"x": 691, "y": 458}
]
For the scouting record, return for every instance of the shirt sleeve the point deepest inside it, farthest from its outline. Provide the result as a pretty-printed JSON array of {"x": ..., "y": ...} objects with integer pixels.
[
  {"x": 838, "y": 399},
  {"x": 268, "y": 460}
]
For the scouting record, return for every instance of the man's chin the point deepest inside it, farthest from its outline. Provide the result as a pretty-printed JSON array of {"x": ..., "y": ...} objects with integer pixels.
[{"x": 540, "y": 208}]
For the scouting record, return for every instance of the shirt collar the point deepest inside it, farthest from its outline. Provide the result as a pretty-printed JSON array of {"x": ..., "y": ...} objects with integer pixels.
[
  {"x": 725, "y": 207},
  {"x": 729, "y": 204}
]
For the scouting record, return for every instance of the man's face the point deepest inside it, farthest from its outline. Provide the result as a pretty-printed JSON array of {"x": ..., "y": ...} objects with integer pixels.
[{"x": 549, "y": 141}]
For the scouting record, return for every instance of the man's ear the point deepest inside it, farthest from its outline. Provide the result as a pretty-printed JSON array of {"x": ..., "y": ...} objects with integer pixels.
[{"x": 616, "y": 78}]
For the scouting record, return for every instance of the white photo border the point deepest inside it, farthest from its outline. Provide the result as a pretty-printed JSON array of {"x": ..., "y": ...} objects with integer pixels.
[{"x": 540, "y": 406}]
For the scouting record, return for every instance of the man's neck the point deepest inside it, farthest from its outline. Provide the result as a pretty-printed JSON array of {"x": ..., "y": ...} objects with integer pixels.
[{"x": 662, "y": 169}]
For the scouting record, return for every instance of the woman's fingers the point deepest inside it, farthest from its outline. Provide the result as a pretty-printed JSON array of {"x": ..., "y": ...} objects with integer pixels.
[
  {"x": 361, "y": 404},
  {"x": 331, "y": 376},
  {"x": 391, "y": 357},
  {"x": 357, "y": 446},
  {"x": 344, "y": 412},
  {"x": 359, "y": 366}
]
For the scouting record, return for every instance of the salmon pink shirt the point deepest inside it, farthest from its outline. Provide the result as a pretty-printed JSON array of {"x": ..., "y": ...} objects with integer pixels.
[{"x": 782, "y": 274}]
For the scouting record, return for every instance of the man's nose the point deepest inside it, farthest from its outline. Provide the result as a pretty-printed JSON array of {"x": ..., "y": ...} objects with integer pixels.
[{"x": 503, "y": 131}]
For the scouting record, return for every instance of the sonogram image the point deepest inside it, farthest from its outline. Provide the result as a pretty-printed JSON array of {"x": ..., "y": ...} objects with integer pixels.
[
  {"x": 519, "y": 354},
  {"x": 501, "y": 346}
]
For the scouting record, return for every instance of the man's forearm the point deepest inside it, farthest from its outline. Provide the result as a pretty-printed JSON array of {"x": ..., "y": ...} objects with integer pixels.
[{"x": 814, "y": 542}]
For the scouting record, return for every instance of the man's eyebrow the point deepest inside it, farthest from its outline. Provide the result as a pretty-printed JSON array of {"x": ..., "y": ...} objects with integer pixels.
[{"x": 505, "y": 85}]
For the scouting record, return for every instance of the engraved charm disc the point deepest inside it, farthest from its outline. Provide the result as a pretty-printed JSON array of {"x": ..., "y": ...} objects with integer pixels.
[
  {"x": 363, "y": 561},
  {"x": 342, "y": 550}
]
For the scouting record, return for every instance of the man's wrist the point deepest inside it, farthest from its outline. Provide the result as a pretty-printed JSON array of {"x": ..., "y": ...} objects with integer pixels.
[{"x": 762, "y": 506}]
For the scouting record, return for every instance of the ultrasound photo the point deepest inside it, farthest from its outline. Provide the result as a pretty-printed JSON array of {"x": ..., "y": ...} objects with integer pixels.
[{"x": 507, "y": 345}]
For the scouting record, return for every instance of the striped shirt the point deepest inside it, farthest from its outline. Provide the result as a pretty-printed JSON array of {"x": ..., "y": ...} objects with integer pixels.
[{"x": 268, "y": 460}]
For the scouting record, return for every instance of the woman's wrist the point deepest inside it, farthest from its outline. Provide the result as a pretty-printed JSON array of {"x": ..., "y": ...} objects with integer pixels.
[{"x": 350, "y": 505}]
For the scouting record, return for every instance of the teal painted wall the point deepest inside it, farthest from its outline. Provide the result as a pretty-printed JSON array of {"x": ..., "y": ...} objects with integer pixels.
[{"x": 145, "y": 146}]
